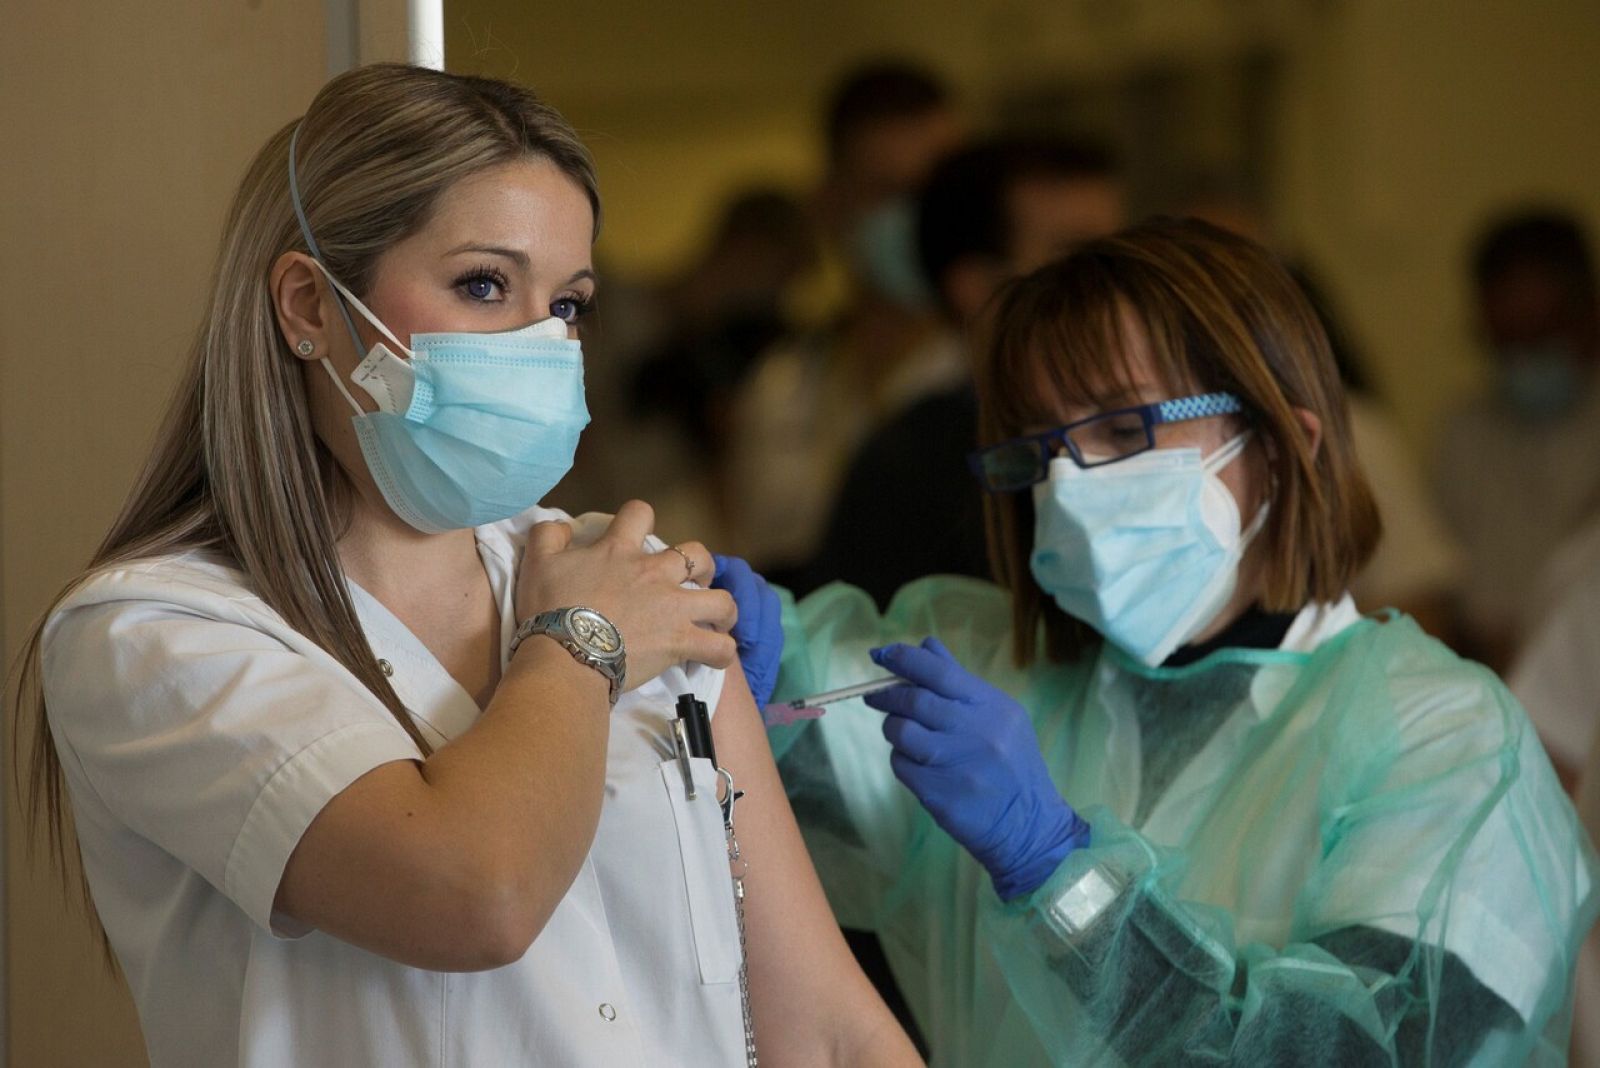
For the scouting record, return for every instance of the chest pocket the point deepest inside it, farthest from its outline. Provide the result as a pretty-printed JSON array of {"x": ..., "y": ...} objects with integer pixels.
[{"x": 707, "y": 880}]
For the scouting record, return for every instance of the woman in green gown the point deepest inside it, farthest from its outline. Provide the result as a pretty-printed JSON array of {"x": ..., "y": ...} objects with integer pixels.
[{"x": 1163, "y": 796}]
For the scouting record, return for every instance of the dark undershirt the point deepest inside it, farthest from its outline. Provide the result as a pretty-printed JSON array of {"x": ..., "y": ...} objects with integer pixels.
[
  {"x": 1172, "y": 733},
  {"x": 1255, "y": 629}
]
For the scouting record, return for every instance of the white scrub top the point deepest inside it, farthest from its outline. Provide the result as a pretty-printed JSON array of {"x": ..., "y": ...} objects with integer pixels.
[{"x": 200, "y": 735}]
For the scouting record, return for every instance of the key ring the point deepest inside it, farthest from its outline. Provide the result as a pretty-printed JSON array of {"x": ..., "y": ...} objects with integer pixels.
[{"x": 729, "y": 796}]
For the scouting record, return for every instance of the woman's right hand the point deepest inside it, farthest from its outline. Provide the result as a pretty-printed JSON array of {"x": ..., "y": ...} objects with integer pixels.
[
  {"x": 661, "y": 621},
  {"x": 968, "y": 751}
]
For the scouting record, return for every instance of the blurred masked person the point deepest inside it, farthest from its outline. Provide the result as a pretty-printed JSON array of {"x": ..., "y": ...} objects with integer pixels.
[
  {"x": 988, "y": 214},
  {"x": 1556, "y": 673},
  {"x": 811, "y": 401},
  {"x": 1586, "y": 1016},
  {"x": 672, "y": 353},
  {"x": 1519, "y": 469},
  {"x": 1556, "y": 676}
]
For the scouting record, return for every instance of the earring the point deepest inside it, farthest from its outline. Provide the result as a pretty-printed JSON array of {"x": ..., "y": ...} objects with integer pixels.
[{"x": 306, "y": 347}]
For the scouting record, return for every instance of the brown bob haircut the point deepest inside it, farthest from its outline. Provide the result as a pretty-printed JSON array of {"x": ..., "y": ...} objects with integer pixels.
[{"x": 1221, "y": 314}]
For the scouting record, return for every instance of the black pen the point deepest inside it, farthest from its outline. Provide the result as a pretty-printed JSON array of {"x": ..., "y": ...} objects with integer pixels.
[
  {"x": 703, "y": 718},
  {"x": 693, "y": 727}
]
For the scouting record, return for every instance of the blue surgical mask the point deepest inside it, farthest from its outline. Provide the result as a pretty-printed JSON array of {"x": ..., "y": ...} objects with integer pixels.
[
  {"x": 883, "y": 246},
  {"x": 1146, "y": 550},
  {"x": 472, "y": 428},
  {"x": 1541, "y": 381}
]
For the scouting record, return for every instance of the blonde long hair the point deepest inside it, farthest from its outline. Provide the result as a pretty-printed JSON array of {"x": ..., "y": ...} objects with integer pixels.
[{"x": 236, "y": 468}]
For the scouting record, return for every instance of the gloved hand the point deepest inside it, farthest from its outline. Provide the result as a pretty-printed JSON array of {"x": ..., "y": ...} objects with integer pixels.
[
  {"x": 969, "y": 753},
  {"x": 758, "y": 635}
]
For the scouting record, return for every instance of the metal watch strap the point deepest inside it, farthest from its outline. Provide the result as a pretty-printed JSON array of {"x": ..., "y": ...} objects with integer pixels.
[{"x": 549, "y": 624}]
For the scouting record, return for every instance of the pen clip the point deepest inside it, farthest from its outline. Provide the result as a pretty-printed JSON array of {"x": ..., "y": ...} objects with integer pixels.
[{"x": 680, "y": 742}]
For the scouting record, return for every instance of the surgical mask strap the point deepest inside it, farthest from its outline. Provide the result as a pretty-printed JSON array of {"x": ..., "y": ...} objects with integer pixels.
[
  {"x": 1224, "y": 456},
  {"x": 1229, "y": 452},
  {"x": 316, "y": 257},
  {"x": 1255, "y": 526},
  {"x": 366, "y": 313}
]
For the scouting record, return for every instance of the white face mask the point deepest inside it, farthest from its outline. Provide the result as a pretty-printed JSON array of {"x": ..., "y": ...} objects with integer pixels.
[{"x": 1146, "y": 551}]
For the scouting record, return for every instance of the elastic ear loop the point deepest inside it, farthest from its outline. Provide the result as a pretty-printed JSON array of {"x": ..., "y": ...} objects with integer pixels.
[
  {"x": 1222, "y": 458},
  {"x": 339, "y": 290},
  {"x": 1229, "y": 451}
]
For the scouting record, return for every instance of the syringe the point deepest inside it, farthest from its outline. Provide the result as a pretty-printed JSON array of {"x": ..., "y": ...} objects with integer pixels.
[{"x": 781, "y": 713}]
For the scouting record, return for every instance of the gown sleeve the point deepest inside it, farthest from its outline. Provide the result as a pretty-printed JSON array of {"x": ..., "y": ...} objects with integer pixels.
[
  {"x": 859, "y": 823},
  {"x": 1438, "y": 924}
]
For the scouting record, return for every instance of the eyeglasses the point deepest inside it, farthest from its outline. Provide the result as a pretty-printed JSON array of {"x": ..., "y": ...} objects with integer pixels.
[{"x": 1093, "y": 442}]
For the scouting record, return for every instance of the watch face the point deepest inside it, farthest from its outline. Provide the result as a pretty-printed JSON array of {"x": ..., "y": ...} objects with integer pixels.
[{"x": 593, "y": 630}]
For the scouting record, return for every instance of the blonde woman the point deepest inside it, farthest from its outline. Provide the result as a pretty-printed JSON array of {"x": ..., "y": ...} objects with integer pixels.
[{"x": 370, "y": 760}]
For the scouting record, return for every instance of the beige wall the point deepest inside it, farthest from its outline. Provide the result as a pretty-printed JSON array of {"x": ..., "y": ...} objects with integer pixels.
[{"x": 126, "y": 127}]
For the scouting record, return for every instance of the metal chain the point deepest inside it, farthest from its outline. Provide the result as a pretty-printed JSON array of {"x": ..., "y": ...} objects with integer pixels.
[
  {"x": 737, "y": 866},
  {"x": 744, "y": 963}
]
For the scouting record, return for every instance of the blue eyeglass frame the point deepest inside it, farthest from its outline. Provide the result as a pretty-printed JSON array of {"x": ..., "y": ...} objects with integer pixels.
[{"x": 1157, "y": 413}]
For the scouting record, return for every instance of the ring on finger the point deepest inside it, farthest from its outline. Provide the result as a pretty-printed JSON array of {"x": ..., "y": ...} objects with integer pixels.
[{"x": 688, "y": 562}]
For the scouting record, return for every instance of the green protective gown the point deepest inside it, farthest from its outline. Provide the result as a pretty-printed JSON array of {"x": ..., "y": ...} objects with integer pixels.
[{"x": 1354, "y": 855}]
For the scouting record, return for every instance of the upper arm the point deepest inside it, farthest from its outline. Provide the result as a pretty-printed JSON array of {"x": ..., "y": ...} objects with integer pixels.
[
  {"x": 806, "y": 990},
  {"x": 209, "y": 737}
]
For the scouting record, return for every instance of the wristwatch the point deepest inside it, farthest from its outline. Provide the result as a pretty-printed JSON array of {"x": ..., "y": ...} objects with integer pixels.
[{"x": 590, "y": 637}]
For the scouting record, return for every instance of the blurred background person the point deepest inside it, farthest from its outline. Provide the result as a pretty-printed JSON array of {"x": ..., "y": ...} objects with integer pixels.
[
  {"x": 1556, "y": 673},
  {"x": 809, "y": 402},
  {"x": 1519, "y": 468},
  {"x": 671, "y": 355},
  {"x": 1556, "y": 676},
  {"x": 1586, "y": 1014},
  {"x": 987, "y": 214},
  {"x": 1417, "y": 564}
]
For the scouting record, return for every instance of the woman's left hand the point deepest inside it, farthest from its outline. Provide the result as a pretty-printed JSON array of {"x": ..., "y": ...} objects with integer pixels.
[{"x": 968, "y": 751}]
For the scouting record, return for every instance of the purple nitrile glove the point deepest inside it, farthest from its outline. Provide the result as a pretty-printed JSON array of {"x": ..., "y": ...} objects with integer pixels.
[
  {"x": 968, "y": 751},
  {"x": 758, "y": 634}
]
